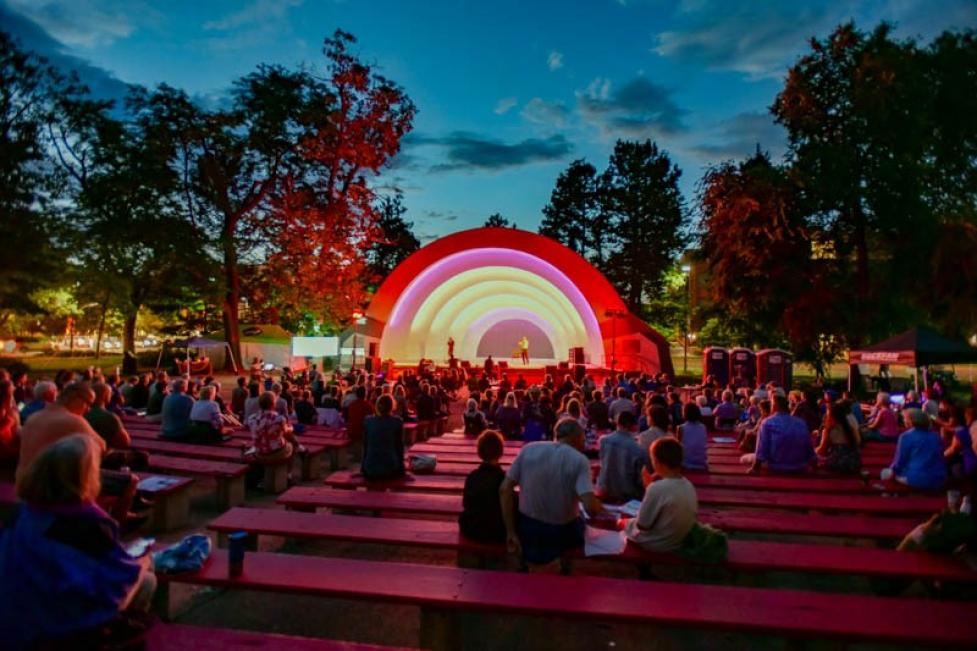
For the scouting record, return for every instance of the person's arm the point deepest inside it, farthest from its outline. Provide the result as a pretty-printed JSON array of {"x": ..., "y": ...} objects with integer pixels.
[
  {"x": 591, "y": 504},
  {"x": 122, "y": 439},
  {"x": 900, "y": 457},
  {"x": 584, "y": 488},
  {"x": 953, "y": 448},
  {"x": 822, "y": 449},
  {"x": 507, "y": 497},
  {"x": 760, "y": 455}
]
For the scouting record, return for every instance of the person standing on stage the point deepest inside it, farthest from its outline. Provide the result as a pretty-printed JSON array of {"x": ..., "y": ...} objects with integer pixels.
[
  {"x": 451, "y": 348},
  {"x": 524, "y": 349}
]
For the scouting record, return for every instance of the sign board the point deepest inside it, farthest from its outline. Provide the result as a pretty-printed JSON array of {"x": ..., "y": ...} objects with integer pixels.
[{"x": 315, "y": 346}]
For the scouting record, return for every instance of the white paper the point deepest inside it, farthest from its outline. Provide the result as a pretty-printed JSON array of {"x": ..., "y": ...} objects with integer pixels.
[
  {"x": 156, "y": 483},
  {"x": 601, "y": 542},
  {"x": 723, "y": 439}
]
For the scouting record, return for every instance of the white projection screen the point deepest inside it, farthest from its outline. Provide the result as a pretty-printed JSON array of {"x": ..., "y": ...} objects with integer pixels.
[{"x": 315, "y": 346}]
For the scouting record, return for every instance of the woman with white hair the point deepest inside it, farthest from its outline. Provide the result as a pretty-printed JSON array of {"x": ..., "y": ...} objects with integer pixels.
[
  {"x": 206, "y": 423},
  {"x": 884, "y": 425},
  {"x": 475, "y": 421}
]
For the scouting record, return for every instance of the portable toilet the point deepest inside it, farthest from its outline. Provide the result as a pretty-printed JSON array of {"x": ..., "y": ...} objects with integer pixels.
[
  {"x": 775, "y": 365},
  {"x": 742, "y": 367},
  {"x": 715, "y": 362}
]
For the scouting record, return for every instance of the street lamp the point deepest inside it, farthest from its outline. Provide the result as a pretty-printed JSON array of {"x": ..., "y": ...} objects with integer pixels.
[
  {"x": 687, "y": 270},
  {"x": 357, "y": 317}
]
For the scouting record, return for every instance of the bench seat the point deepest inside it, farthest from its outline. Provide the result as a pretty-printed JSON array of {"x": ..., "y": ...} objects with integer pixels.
[
  {"x": 441, "y": 592},
  {"x": 229, "y": 476}
]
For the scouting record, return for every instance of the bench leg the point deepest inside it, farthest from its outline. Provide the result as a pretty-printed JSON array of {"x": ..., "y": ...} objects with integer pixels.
[
  {"x": 171, "y": 511},
  {"x": 230, "y": 492},
  {"x": 161, "y": 601},
  {"x": 311, "y": 466},
  {"x": 276, "y": 478},
  {"x": 440, "y": 630}
]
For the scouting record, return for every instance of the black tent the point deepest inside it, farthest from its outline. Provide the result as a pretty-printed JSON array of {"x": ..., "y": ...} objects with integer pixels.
[{"x": 919, "y": 346}]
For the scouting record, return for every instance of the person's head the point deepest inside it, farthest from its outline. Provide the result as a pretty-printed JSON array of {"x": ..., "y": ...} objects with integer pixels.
[
  {"x": 46, "y": 391},
  {"x": 254, "y": 390},
  {"x": 472, "y": 406},
  {"x": 625, "y": 421},
  {"x": 622, "y": 392},
  {"x": 241, "y": 382},
  {"x": 916, "y": 418},
  {"x": 267, "y": 400},
  {"x": 307, "y": 396},
  {"x": 702, "y": 401},
  {"x": 385, "y": 405},
  {"x": 780, "y": 403},
  {"x": 276, "y": 388},
  {"x": 66, "y": 472},
  {"x": 882, "y": 399},
  {"x": 569, "y": 431},
  {"x": 361, "y": 392},
  {"x": 765, "y": 406},
  {"x": 691, "y": 413},
  {"x": 666, "y": 455},
  {"x": 573, "y": 408},
  {"x": 179, "y": 385},
  {"x": 658, "y": 415},
  {"x": 208, "y": 392},
  {"x": 910, "y": 396},
  {"x": 510, "y": 399},
  {"x": 77, "y": 398},
  {"x": 597, "y": 396},
  {"x": 103, "y": 394},
  {"x": 727, "y": 396},
  {"x": 490, "y": 446}
]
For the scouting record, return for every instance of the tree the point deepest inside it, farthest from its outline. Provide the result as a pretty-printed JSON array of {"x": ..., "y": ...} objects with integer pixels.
[
  {"x": 647, "y": 219},
  {"x": 395, "y": 239},
  {"x": 325, "y": 218},
  {"x": 495, "y": 220},
  {"x": 569, "y": 216},
  {"x": 27, "y": 85}
]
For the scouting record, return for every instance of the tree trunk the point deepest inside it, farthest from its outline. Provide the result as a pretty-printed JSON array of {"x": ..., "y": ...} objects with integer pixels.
[
  {"x": 232, "y": 297},
  {"x": 129, "y": 362},
  {"x": 101, "y": 328}
]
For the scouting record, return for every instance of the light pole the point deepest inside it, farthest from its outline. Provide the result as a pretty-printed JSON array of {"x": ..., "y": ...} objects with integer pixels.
[
  {"x": 357, "y": 316},
  {"x": 614, "y": 315},
  {"x": 687, "y": 270}
]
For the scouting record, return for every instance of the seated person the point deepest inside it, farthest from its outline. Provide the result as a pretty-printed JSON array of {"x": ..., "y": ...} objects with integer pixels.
[
  {"x": 45, "y": 393},
  {"x": 621, "y": 462},
  {"x": 702, "y": 402},
  {"x": 918, "y": 461},
  {"x": 239, "y": 395},
  {"x": 726, "y": 414},
  {"x": 9, "y": 425},
  {"x": 657, "y": 428},
  {"x": 693, "y": 436},
  {"x": 383, "y": 442},
  {"x": 509, "y": 417},
  {"x": 840, "y": 442},
  {"x": 65, "y": 573},
  {"x": 154, "y": 406},
  {"x": 481, "y": 516},
  {"x": 104, "y": 422},
  {"x": 305, "y": 411},
  {"x": 884, "y": 425},
  {"x": 251, "y": 406},
  {"x": 206, "y": 424},
  {"x": 272, "y": 439},
  {"x": 669, "y": 507},
  {"x": 783, "y": 442},
  {"x": 175, "y": 422},
  {"x": 553, "y": 478},
  {"x": 475, "y": 421},
  {"x": 961, "y": 454}
]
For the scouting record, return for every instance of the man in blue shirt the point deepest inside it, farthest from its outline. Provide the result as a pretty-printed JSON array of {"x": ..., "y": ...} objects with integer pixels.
[
  {"x": 918, "y": 460},
  {"x": 45, "y": 393},
  {"x": 176, "y": 411},
  {"x": 621, "y": 461},
  {"x": 784, "y": 442}
]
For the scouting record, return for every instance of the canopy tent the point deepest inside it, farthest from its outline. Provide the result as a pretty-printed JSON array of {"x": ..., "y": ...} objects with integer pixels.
[
  {"x": 917, "y": 347},
  {"x": 199, "y": 343}
]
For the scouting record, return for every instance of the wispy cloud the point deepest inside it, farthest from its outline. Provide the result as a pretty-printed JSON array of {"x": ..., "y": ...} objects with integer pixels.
[
  {"x": 86, "y": 23},
  {"x": 739, "y": 136},
  {"x": 540, "y": 111},
  {"x": 504, "y": 104},
  {"x": 555, "y": 60},
  {"x": 255, "y": 13},
  {"x": 639, "y": 108},
  {"x": 464, "y": 151}
]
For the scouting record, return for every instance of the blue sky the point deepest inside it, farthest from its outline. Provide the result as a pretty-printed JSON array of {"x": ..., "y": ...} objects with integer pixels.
[{"x": 508, "y": 93}]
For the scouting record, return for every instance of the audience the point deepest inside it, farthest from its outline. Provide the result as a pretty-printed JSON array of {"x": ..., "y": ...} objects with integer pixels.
[
  {"x": 65, "y": 573},
  {"x": 272, "y": 439},
  {"x": 206, "y": 424},
  {"x": 474, "y": 420},
  {"x": 104, "y": 422},
  {"x": 840, "y": 442},
  {"x": 305, "y": 411},
  {"x": 783, "y": 442},
  {"x": 552, "y": 478},
  {"x": 693, "y": 435},
  {"x": 383, "y": 442},
  {"x": 883, "y": 424},
  {"x": 45, "y": 393},
  {"x": 154, "y": 408},
  {"x": 9, "y": 425},
  {"x": 175, "y": 421},
  {"x": 657, "y": 426},
  {"x": 621, "y": 462},
  {"x": 726, "y": 414},
  {"x": 508, "y": 418},
  {"x": 918, "y": 461},
  {"x": 481, "y": 517},
  {"x": 669, "y": 506}
]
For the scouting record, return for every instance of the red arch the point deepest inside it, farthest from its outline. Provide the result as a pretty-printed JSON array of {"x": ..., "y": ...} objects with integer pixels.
[{"x": 596, "y": 289}]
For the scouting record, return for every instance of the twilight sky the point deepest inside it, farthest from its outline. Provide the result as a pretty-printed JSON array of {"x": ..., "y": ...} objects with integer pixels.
[{"x": 508, "y": 93}]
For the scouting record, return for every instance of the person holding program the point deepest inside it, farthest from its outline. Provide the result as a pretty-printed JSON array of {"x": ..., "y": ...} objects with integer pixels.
[{"x": 669, "y": 507}]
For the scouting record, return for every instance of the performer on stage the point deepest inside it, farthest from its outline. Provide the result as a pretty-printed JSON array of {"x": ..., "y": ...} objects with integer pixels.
[
  {"x": 489, "y": 367},
  {"x": 451, "y": 348},
  {"x": 524, "y": 349}
]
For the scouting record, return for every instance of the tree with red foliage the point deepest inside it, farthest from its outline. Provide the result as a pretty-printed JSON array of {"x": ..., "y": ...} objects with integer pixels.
[{"x": 324, "y": 218}]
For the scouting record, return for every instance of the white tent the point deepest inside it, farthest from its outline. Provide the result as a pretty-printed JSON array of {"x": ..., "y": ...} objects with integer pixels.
[{"x": 198, "y": 343}]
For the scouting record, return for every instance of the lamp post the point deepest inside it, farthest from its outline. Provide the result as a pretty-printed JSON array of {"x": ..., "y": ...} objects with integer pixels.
[
  {"x": 687, "y": 270},
  {"x": 614, "y": 315},
  {"x": 357, "y": 316}
]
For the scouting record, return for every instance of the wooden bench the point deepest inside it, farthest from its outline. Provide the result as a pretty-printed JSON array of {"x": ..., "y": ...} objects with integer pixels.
[
  {"x": 444, "y": 482},
  {"x": 442, "y": 593},
  {"x": 229, "y": 476},
  {"x": 744, "y": 555},
  {"x": 180, "y": 637},
  {"x": 444, "y": 441},
  {"x": 171, "y": 501}
]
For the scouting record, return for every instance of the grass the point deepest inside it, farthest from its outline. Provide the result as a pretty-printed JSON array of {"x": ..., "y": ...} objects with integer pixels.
[{"x": 51, "y": 364}]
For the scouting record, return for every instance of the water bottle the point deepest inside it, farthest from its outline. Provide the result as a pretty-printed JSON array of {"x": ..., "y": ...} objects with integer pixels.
[{"x": 235, "y": 553}]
